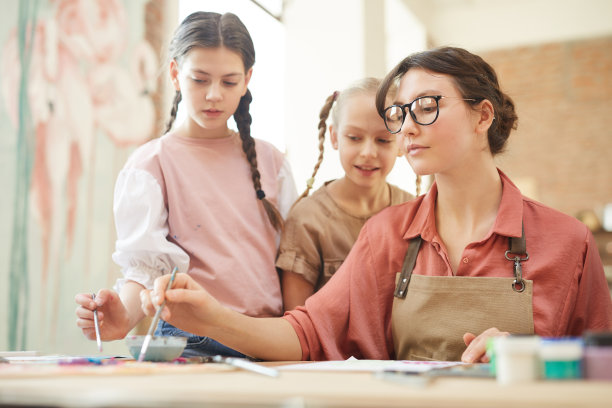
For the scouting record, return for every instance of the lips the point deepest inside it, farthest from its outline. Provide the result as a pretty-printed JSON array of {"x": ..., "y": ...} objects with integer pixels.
[
  {"x": 366, "y": 169},
  {"x": 414, "y": 149},
  {"x": 212, "y": 112}
]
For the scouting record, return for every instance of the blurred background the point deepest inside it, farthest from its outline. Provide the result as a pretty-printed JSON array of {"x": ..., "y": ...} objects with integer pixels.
[{"x": 93, "y": 84}]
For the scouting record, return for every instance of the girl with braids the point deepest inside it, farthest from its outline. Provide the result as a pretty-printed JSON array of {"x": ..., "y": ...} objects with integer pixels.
[
  {"x": 434, "y": 277},
  {"x": 202, "y": 198},
  {"x": 321, "y": 229}
]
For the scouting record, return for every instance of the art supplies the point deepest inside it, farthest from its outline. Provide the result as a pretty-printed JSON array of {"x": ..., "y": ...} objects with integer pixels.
[
  {"x": 96, "y": 324},
  {"x": 516, "y": 359},
  {"x": 598, "y": 356},
  {"x": 561, "y": 358},
  {"x": 247, "y": 365},
  {"x": 147, "y": 340}
]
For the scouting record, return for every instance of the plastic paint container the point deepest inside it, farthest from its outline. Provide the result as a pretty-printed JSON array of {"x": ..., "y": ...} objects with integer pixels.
[
  {"x": 561, "y": 358},
  {"x": 598, "y": 356},
  {"x": 516, "y": 359}
]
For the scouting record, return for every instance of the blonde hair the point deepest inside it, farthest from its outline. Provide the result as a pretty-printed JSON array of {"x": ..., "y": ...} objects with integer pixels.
[{"x": 364, "y": 86}]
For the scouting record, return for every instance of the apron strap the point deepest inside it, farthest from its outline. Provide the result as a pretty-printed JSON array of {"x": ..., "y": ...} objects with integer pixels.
[
  {"x": 409, "y": 260},
  {"x": 518, "y": 248}
]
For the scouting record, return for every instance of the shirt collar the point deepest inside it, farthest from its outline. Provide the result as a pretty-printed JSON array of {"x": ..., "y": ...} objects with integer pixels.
[{"x": 508, "y": 222}]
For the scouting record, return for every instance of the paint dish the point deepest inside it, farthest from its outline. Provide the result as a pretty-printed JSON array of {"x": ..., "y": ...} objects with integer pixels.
[{"x": 161, "y": 348}]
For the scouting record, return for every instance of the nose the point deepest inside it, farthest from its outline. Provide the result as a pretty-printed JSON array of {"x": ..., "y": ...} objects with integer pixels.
[
  {"x": 214, "y": 92},
  {"x": 409, "y": 127},
  {"x": 368, "y": 148}
]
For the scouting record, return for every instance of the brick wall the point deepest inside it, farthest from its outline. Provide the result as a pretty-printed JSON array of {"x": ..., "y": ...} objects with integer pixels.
[{"x": 561, "y": 153}]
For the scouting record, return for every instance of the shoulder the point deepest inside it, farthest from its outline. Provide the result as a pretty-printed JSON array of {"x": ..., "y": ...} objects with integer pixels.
[
  {"x": 146, "y": 153},
  {"x": 392, "y": 222},
  {"x": 543, "y": 220},
  {"x": 316, "y": 205},
  {"x": 268, "y": 148}
]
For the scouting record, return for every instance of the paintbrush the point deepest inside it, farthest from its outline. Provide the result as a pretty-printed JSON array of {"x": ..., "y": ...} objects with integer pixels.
[
  {"x": 147, "y": 340},
  {"x": 96, "y": 324}
]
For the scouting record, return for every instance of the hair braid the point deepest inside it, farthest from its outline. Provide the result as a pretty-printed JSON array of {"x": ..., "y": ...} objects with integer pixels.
[
  {"x": 323, "y": 115},
  {"x": 243, "y": 122},
  {"x": 174, "y": 110}
]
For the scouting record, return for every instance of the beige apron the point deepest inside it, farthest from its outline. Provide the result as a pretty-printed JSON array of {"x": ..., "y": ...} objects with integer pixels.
[{"x": 432, "y": 313}]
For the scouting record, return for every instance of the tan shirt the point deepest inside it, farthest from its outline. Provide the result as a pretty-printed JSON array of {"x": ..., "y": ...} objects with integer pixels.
[{"x": 319, "y": 234}]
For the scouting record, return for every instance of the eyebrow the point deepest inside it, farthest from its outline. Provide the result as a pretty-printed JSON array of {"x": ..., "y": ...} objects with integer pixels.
[
  {"x": 231, "y": 74},
  {"x": 426, "y": 92}
]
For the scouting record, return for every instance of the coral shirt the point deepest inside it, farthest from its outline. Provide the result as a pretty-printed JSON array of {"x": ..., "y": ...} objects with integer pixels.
[{"x": 351, "y": 315}]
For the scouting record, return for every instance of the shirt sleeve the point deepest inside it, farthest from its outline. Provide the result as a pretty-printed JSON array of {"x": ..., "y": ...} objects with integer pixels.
[
  {"x": 593, "y": 307},
  {"x": 299, "y": 247},
  {"x": 142, "y": 249},
  {"x": 348, "y": 316},
  {"x": 287, "y": 193}
]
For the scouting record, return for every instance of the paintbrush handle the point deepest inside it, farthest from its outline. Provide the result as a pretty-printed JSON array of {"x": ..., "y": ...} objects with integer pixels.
[{"x": 153, "y": 326}]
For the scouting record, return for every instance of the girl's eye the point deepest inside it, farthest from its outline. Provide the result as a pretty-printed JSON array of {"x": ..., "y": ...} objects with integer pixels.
[
  {"x": 353, "y": 138},
  {"x": 198, "y": 81},
  {"x": 385, "y": 141},
  {"x": 228, "y": 83}
]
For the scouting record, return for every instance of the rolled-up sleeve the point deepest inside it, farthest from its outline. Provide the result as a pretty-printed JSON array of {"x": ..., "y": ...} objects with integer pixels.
[{"x": 142, "y": 249}]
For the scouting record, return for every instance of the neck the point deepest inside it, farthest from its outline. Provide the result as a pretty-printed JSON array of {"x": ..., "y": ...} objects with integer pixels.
[
  {"x": 360, "y": 201},
  {"x": 191, "y": 129},
  {"x": 468, "y": 200}
]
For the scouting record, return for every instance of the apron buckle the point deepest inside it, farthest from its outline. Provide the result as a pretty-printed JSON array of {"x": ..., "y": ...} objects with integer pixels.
[{"x": 519, "y": 284}]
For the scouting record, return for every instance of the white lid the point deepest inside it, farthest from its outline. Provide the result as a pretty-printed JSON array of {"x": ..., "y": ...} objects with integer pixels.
[
  {"x": 561, "y": 349},
  {"x": 516, "y": 344}
]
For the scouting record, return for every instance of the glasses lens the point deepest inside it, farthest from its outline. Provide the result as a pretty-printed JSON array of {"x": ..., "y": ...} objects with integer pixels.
[
  {"x": 425, "y": 110},
  {"x": 394, "y": 117}
]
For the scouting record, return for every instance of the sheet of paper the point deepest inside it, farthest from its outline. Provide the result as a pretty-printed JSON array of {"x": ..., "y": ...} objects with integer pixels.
[{"x": 353, "y": 364}]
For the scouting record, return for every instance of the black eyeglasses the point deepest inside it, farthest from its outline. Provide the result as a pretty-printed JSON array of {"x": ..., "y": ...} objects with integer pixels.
[{"x": 424, "y": 110}]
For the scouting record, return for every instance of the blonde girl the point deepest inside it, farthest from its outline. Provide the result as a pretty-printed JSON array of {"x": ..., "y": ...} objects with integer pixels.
[
  {"x": 321, "y": 228},
  {"x": 203, "y": 198}
]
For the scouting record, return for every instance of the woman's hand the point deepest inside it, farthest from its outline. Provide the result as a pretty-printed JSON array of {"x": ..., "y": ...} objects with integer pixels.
[
  {"x": 477, "y": 345},
  {"x": 113, "y": 317},
  {"x": 188, "y": 305}
]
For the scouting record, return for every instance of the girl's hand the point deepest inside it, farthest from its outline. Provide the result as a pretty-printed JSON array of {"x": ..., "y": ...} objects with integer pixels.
[
  {"x": 477, "y": 345},
  {"x": 112, "y": 315},
  {"x": 188, "y": 306}
]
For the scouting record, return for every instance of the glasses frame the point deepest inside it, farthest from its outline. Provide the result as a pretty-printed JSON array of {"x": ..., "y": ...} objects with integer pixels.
[{"x": 413, "y": 116}]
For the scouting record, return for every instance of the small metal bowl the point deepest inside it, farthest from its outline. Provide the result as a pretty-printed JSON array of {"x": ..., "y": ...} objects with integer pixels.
[{"x": 161, "y": 348}]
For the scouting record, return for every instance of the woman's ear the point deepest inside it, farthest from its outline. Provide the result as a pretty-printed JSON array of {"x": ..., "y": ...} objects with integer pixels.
[
  {"x": 333, "y": 137},
  {"x": 486, "y": 116},
  {"x": 174, "y": 71}
]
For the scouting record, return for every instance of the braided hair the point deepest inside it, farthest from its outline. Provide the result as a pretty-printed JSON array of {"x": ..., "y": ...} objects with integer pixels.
[
  {"x": 364, "y": 86},
  {"x": 213, "y": 30}
]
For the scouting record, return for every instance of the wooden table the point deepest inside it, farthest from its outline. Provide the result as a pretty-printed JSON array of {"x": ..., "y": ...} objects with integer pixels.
[{"x": 221, "y": 386}]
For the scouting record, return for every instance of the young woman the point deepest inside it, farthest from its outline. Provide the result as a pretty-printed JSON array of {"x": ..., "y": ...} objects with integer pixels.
[
  {"x": 321, "y": 229},
  {"x": 202, "y": 197},
  {"x": 472, "y": 258}
]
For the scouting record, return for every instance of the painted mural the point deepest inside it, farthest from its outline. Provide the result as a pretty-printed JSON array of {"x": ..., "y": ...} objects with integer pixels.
[{"x": 77, "y": 79}]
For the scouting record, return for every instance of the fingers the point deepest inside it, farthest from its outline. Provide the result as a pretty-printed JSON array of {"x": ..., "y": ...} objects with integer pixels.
[
  {"x": 477, "y": 347},
  {"x": 468, "y": 337},
  {"x": 85, "y": 300},
  {"x": 146, "y": 303}
]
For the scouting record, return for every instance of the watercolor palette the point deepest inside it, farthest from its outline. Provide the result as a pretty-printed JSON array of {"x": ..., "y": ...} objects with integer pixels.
[{"x": 161, "y": 348}]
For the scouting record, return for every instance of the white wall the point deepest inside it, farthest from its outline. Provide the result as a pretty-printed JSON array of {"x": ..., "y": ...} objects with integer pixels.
[
  {"x": 328, "y": 44},
  {"x": 493, "y": 24}
]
